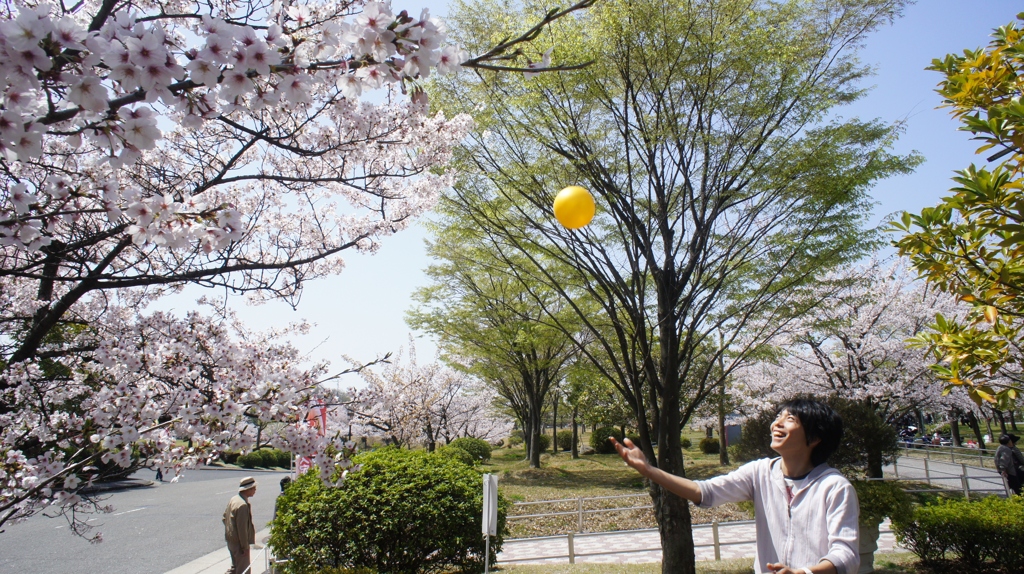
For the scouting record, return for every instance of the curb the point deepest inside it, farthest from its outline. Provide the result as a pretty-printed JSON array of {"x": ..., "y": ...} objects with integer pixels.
[{"x": 126, "y": 484}]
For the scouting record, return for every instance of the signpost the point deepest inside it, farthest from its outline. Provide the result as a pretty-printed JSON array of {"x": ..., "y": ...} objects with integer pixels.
[{"x": 490, "y": 518}]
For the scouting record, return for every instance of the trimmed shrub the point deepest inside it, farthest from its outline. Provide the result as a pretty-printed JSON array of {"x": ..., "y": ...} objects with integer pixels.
[
  {"x": 599, "y": 439},
  {"x": 479, "y": 449},
  {"x": 565, "y": 439},
  {"x": 974, "y": 534},
  {"x": 710, "y": 445},
  {"x": 515, "y": 439},
  {"x": 544, "y": 442},
  {"x": 456, "y": 453},
  {"x": 403, "y": 512},
  {"x": 284, "y": 459},
  {"x": 685, "y": 442},
  {"x": 229, "y": 457},
  {"x": 880, "y": 500},
  {"x": 250, "y": 460}
]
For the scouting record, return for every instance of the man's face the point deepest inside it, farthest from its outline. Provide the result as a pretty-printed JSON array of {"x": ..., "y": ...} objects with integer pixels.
[
  {"x": 249, "y": 492},
  {"x": 788, "y": 436}
]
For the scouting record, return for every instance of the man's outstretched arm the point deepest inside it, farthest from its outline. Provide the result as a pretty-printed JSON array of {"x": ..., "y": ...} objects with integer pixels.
[{"x": 634, "y": 457}]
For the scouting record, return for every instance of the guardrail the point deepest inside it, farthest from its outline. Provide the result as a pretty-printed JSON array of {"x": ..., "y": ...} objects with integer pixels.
[
  {"x": 991, "y": 484},
  {"x": 581, "y": 509},
  {"x": 985, "y": 457},
  {"x": 571, "y": 538}
]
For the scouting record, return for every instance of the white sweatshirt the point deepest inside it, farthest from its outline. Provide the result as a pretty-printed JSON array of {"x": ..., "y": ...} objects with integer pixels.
[{"x": 821, "y": 522}]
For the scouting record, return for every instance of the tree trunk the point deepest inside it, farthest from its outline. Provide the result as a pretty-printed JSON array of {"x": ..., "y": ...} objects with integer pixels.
[
  {"x": 554, "y": 424},
  {"x": 535, "y": 432},
  {"x": 988, "y": 423},
  {"x": 1002, "y": 420},
  {"x": 575, "y": 434},
  {"x": 723, "y": 444},
  {"x": 1013, "y": 421},
  {"x": 972, "y": 421},
  {"x": 874, "y": 469},
  {"x": 954, "y": 427},
  {"x": 672, "y": 512}
]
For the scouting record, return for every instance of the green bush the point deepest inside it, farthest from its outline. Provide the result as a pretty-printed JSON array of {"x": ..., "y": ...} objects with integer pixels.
[
  {"x": 544, "y": 442},
  {"x": 565, "y": 439},
  {"x": 284, "y": 459},
  {"x": 229, "y": 457},
  {"x": 710, "y": 445},
  {"x": 250, "y": 460},
  {"x": 403, "y": 512},
  {"x": 456, "y": 453},
  {"x": 685, "y": 442},
  {"x": 599, "y": 439},
  {"x": 971, "y": 533},
  {"x": 478, "y": 448},
  {"x": 880, "y": 500},
  {"x": 515, "y": 439}
]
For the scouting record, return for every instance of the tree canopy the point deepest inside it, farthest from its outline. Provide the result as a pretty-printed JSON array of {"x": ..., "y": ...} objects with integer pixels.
[
  {"x": 971, "y": 244},
  {"x": 723, "y": 187}
]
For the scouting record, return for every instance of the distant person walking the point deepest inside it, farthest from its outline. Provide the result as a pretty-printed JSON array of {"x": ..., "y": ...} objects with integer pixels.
[
  {"x": 1007, "y": 464},
  {"x": 239, "y": 531}
]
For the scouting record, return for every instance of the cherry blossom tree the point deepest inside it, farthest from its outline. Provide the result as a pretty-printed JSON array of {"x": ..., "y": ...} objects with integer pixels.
[
  {"x": 148, "y": 146},
  {"x": 855, "y": 345},
  {"x": 408, "y": 404}
]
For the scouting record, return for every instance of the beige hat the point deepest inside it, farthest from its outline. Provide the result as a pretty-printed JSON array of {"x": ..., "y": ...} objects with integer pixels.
[{"x": 246, "y": 483}]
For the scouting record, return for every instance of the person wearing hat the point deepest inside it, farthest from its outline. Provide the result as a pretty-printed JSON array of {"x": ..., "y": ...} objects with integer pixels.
[
  {"x": 239, "y": 531},
  {"x": 1006, "y": 462}
]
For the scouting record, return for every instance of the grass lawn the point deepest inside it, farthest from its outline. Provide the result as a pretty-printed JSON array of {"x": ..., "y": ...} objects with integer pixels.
[
  {"x": 562, "y": 477},
  {"x": 885, "y": 563}
]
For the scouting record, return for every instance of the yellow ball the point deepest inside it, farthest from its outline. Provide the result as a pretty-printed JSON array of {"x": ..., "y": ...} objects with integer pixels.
[{"x": 574, "y": 207}]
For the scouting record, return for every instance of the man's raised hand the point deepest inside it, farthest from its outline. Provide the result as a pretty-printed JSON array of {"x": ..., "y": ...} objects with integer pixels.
[{"x": 631, "y": 454}]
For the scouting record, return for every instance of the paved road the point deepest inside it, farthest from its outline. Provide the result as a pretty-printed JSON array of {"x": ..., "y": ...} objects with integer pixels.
[
  {"x": 947, "y": 475},
  {"x": 152, "y": 530}
]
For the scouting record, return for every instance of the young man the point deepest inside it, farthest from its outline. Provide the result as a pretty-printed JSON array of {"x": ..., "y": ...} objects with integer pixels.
[{"x": 806, "y": 513}]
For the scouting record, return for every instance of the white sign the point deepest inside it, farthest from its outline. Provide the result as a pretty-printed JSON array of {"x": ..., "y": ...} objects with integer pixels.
[{"x": 490, "y": 522}]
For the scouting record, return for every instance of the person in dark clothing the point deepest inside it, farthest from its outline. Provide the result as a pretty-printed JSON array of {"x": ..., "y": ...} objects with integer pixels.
[{"x": 1007, "y": 463}]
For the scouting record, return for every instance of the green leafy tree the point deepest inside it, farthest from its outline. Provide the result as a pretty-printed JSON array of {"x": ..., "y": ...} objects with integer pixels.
[
  {"x": 488, "y": 325},
  {"x": 724, "y": 188},
  {"x": 972, "y": 243}
]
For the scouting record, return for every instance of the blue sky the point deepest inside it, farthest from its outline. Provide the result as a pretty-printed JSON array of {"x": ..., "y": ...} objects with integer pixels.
[{"x": 360, "y": 313}]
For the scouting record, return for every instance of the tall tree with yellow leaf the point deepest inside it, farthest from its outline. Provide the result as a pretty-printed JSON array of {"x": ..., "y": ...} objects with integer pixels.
[{"x": 972, "y": 243}]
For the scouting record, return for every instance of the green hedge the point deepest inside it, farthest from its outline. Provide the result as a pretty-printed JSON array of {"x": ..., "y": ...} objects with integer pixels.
[
  {"x": 479, "y": 449},
  {"x": 972, "y": 534},
  {"x": 565, "y": 439},
  {"x": 454, "y": 452},
  {"x": 599, "y": 439},
  {"x": 710, "y": 445},
  {"x": 403, "y": 512},
  {"x": 515, "y": 439},
  {"x": 685, "y": 442},
  {"x": 544, "y": 442},
  {"x": 265, "y": 458}
]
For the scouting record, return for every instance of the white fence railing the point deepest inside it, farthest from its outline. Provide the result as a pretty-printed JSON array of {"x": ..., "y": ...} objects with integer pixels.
[
  {"x": 985, "y": 458},
  {"x": 941, "y": 479}
]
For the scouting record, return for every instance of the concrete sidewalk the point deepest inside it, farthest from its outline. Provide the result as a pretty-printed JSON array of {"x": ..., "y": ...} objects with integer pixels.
[
  {"x": 642, "y": 546},
  {"x": 622, "y": 547},
  {"x": 219, "y": 561}
]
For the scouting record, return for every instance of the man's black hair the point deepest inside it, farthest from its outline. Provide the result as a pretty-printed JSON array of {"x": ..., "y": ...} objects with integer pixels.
[
  {"x": 1005, "y": 440},
  {"x": 820, "y": 421}
]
